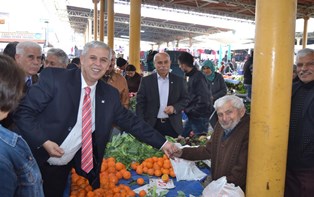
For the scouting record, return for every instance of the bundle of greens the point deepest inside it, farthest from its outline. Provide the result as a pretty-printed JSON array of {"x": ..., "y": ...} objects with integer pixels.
[{"x": 126, "y": 149}]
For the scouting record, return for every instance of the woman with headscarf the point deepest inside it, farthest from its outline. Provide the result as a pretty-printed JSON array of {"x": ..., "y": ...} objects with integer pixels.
[
  {"x": 216, "y": 83},
  {"x": 215, "y": 80}
]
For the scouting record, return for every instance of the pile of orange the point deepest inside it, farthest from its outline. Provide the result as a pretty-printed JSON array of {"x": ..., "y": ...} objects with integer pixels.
[
  {"x": 154, "y": 166},
  {"x": 111, "y": 172}
]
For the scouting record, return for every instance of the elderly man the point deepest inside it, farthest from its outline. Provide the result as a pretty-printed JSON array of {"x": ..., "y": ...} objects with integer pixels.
[
  {"x": 28, "y": 57},
  {"x": 67, "y": 122},
  {"x": 56, "y": 58},
  {"x": 228, "y": 145},
  {"x": 300, "y": 162},
  {"x": 161, "y": 98}
]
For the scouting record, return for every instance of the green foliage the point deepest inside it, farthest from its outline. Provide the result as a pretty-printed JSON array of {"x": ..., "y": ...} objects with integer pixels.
[
  {"x": 126, "y": 149},
  {"x": 132, "y": 103}
]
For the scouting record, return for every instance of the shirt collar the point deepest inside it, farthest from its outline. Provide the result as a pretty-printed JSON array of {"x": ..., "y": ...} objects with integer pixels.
[
  {"x": 84, "y": 84},
  {"x": 159, "y": 77}
]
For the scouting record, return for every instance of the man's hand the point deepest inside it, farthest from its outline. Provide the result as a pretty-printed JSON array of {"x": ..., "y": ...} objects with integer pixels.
[
  {"x": 170, "y": 149},
  {"x": 53, "y": 149},
  {"x": 169, "y": 110}
]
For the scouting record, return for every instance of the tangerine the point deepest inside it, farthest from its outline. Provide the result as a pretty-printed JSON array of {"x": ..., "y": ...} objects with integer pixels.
[
  {"x": 142, "y": 193},
  {"x": 140, "y": 181}
]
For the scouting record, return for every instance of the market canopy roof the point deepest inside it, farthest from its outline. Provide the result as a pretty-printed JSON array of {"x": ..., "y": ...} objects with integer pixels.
[{"x": 160, "y": 30}]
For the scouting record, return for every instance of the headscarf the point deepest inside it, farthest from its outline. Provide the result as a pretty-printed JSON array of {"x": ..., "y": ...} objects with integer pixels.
[{"x": 209, "y": 64}]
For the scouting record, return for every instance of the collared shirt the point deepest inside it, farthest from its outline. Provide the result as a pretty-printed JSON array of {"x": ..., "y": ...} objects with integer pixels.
[
  {"x": 73, "y": 141},
  {"x": 163, "y": 88},
  {"x": 28, "y": 81}
]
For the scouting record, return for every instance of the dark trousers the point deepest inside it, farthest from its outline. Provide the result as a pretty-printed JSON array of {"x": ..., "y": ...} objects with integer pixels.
[
  {"x": 164, "y": 127},
  {"x": 299, "y": 183},
  {"x": 55, "y": 179}
]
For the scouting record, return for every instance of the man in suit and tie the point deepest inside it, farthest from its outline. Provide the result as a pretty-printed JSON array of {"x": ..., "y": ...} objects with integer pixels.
[
  {"x": 67, "y": 116},
  {"x": 28, "y": 58},
  {"x": 161, "y": 98}
]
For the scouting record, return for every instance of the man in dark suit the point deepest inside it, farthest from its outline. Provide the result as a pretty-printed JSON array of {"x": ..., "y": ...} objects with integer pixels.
[
  {"x": 27, "y": 55},
  {"x": 161, "y": 98},
  {"x": 300, "y": 158},
  {"x": 51, "y": 118}
]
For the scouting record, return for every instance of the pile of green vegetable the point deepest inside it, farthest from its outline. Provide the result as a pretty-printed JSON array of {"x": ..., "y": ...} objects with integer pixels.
[{"x": 126, "y": 149}]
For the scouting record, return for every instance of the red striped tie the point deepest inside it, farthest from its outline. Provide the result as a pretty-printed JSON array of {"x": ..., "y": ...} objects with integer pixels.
[{"x": 87, "y": 148}]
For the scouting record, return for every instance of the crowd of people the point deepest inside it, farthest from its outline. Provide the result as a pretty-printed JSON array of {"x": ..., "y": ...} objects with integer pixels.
[{"x": 62, "y": 116}]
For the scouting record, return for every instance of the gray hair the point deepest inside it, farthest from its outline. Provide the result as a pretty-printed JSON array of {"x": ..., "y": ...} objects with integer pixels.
[
  {"x": 96, "y": 44},
  {"x": 20, "y": 47},
  {"x": 168, "y": 56},
  {"x": 304, "y": 52},
  {"x": 60, "y": 54},
  {"x": 237, "y": 102}
]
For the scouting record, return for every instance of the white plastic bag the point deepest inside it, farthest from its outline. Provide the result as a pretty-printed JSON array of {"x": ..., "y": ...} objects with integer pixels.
[
  {"x": 186, "y": 170},
  {"x": 220, "y": 188}
]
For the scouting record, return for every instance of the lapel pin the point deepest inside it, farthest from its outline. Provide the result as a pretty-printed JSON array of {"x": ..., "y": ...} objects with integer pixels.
[{"x": 102, "y": 101}]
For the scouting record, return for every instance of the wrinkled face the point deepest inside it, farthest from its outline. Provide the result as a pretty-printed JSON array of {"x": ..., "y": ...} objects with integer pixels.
[
  {"x": 53, "y": 61},
  {"x": 207, "y": 71},
  {"x": 229, "y": 116},
  {"x": 30, "y": 60},
  {"x": 305, "y": 68},
  {"x": 112, "y": 63},
  {"x": 162, "y": 63},
  {"x": 94, "y": 64}
]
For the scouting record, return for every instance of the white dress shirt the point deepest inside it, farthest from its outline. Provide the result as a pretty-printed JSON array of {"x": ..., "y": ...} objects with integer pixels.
[
  {"x": 73, "y": 141},
  {"x": 163, "y": 88}
]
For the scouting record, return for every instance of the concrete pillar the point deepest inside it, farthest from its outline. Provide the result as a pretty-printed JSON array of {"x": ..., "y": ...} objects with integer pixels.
[
  {"x": 95, "y": 19},
  {"x": 110, "y": 23},
  {"x": 134, "y": 33},
  {"x": 271, "y": 98},
  {"x": 101, "y": 20},
  {"x": 304, "y": 42}
]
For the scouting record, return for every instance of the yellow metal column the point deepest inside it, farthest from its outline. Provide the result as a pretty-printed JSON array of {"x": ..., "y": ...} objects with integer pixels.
[
  {"x": 134, "y": 32},
  {"x": 304, "y": 41},
  {"x": 95, "y": 19},
  {"x": 110, "y": 23},
  {"x": 270, "y": 109},
  {"x": 101, "y": 20}
]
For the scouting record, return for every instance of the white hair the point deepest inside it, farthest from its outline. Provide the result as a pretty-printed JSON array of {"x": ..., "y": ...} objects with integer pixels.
[{"x": 237, "y": 102}]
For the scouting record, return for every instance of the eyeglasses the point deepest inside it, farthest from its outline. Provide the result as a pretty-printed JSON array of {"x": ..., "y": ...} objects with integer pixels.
[{"x": 307, "y": 64}]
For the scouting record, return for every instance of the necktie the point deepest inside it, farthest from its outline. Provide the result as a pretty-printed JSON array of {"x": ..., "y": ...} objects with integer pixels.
[
  {"x": 29, "y": 81},
  {"x": 87, "y": 148}
]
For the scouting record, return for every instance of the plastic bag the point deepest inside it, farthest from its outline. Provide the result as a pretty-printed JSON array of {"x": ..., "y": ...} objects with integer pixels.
[
  {"x": 220, "y": 188},
  {"x": 186, "y": 170}
]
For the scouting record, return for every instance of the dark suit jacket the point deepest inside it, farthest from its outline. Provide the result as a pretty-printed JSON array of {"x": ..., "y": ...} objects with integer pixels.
[
  {"x": 148, "y": 99},
  {"x": 49, "y": 112}
]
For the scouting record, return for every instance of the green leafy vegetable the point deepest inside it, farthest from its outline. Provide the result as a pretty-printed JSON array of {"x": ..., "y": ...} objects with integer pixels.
[{"x": 127, "y": 149}]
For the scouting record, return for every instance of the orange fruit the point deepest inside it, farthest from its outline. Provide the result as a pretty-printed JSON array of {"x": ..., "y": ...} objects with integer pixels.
[
  {"x": 165, "y": 178},
  {"x": 150, "y": 171},
  {"x": 142, "y": 193},
  {"x": 139, "y": 170},
  {"x": 140, "y": 181},
  {"x": 119, "y": 166},
  {"x": 134, "y": 165},
  {"x": 131, "y": 193},
  {"x": 157, "y": 173},
  {"x": 126, "y": 175}
]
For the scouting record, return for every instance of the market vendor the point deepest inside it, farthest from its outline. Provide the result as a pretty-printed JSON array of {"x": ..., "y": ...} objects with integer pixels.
[
  {"x": 66, "y": 118},
  {"x": 228, "y": 145}
]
